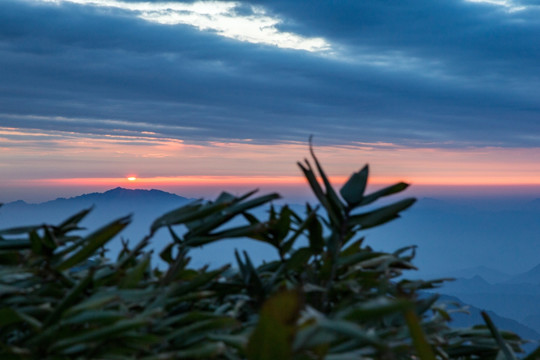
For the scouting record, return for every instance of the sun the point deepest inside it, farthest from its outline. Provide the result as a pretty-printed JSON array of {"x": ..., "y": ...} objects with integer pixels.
[{"x": 132, "y": 178}]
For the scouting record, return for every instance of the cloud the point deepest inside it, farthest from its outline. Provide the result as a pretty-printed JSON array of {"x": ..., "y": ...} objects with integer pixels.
[
  {"x": 510, "y": 6},
  {"x": 226, "y": 18},
  {"x": 451, "y": 73}
]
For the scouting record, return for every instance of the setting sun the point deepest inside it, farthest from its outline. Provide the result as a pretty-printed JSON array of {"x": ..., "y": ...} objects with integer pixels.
[{"x": 132, "y": 178}]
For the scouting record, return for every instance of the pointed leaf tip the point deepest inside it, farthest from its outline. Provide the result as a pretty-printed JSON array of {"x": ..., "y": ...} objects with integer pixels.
[{"x": 354, "y": 188}]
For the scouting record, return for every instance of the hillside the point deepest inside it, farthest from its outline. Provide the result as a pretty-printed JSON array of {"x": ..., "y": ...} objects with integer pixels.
[{"x": 145, "y": 205}]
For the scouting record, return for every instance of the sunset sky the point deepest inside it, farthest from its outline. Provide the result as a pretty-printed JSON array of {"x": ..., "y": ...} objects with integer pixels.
[{"x": 195, "y": 97}]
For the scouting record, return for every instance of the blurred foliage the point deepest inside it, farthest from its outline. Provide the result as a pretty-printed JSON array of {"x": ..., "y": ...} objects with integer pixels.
[{"x": 327, "y": 296}]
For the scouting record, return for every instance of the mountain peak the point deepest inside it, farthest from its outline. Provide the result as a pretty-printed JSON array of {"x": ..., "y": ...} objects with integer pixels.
[
  {"x": 112, "y": 195},
  {"x": 120, "y": 193}
]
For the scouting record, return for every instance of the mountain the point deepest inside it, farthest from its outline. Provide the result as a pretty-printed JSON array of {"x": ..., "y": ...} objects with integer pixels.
[
  {"x": 529, "y": 277},
  {"x": 492, "y": 276},
  {"x": 146, "y": 206},
  {"x": 117, "y": 197},
  {"x": 518, "y": 301},
  {"x": 473, "y": 317}
]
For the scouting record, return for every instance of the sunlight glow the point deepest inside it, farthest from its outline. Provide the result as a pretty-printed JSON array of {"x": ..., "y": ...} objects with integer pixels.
[
  {"x": 57, "y": 159},
  {"x": 235, "y": 20},
  {"x": 510, "y": 5},
  {"x": 254, "y": 181}
]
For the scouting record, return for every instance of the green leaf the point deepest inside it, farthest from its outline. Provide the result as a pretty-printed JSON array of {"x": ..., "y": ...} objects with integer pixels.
[
  {"x": 10, "y": 256},
  {"x": 273, "y": 336},
  {"x": 315, "y": 235},
  {"x": 360, "y": 256},
  {"x": 304, "y": 224},
  {"x": 49, "y": 239},
  {"x": 37, "y": 244},
  {"x": 283, "y": 224},
  {"x": 228, "y": 213},
  {"x": 20, "y": 230},
  {"x": 186, "y": 333},
  {"x": 97, "y": 301},
  {"x": 240, "y": 231},
  {"x": 331, "y": 195},
  {"x": 174, "y": 236},
  {"x": 237, "y": 341},
  {"x": 225, "y": 198},
  {"x": 72, "y": 222},
  {"x": 317, "y": 190},
  {"x": 135, "y": 275},
  {"x": 183, "y": 214},
  {"x": 94, "y": 317},
  {"x": 243, "y": 206},
  {"x": 15, "y": 244},
  {"x": 375, "y": 309},
  {"x": 354, "y": 188},
  {"x": 69, "y": 299},
  {"x": 253, "y": 277},
  {"x": 393, "y": 189},
  {"x": 419, "y": 340},
  {"x": 166, "y": 254},
  {"x": 506, "y": 350},
  {"x": 94, "y": 241},
  {"x": 312, "y": 180},
  {"x": 251, "y": 218},
  {"x": 351, "y": 330},
  {"x": 10, "y": 316},
  {"x": 101, "y": 334},
  {"x": 199, "y": 281},
  {"x": 10, "y": 290},
  {"x": 381, "y": 215},
  {"x": 202, "y": 351},
  {"x": 186, "y": 319},
  {"x": 299, "y": 258}
]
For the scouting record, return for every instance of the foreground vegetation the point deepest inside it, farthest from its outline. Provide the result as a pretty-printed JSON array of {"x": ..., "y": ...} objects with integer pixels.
[{"x": 328, "y": 296}]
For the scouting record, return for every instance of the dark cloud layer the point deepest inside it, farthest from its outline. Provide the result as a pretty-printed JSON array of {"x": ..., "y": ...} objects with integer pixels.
[{"x": 447, "y": 72}]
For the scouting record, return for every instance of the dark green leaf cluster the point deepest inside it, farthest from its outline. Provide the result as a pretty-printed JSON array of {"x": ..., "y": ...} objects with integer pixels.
[{"x": 327, "y": 296}]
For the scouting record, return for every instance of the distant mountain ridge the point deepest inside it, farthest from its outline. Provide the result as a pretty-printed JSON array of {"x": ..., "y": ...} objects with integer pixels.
[
  {"x": 529, "y": 277},
  {"x": 516, "y": 297},
  {"x": 116, "y": 194},
  {"x": 144, "y": 205},
  {"x": 490, "y": 275},
  {"x": 461, "y": 319},
  {"x": 120, "y": 193}
]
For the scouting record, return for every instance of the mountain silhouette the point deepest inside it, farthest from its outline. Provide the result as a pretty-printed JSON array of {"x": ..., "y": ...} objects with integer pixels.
[
  {"x": 145, "y": 206},
  {"x": 473, "y": 317},
  {"x": 529, "y": 277}
]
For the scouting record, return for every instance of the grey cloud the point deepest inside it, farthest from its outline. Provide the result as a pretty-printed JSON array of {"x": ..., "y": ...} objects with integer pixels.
[
  {"x": 471, "y": 83},
  {"x": 458, "y": 34}
]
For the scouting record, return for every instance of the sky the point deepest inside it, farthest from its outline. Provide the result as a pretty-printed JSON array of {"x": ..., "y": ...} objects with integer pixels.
[{"x": 196, "y": 97}]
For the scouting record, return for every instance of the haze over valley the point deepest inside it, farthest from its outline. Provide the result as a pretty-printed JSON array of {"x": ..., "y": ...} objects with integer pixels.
[{"x": 491, "y": 251}]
